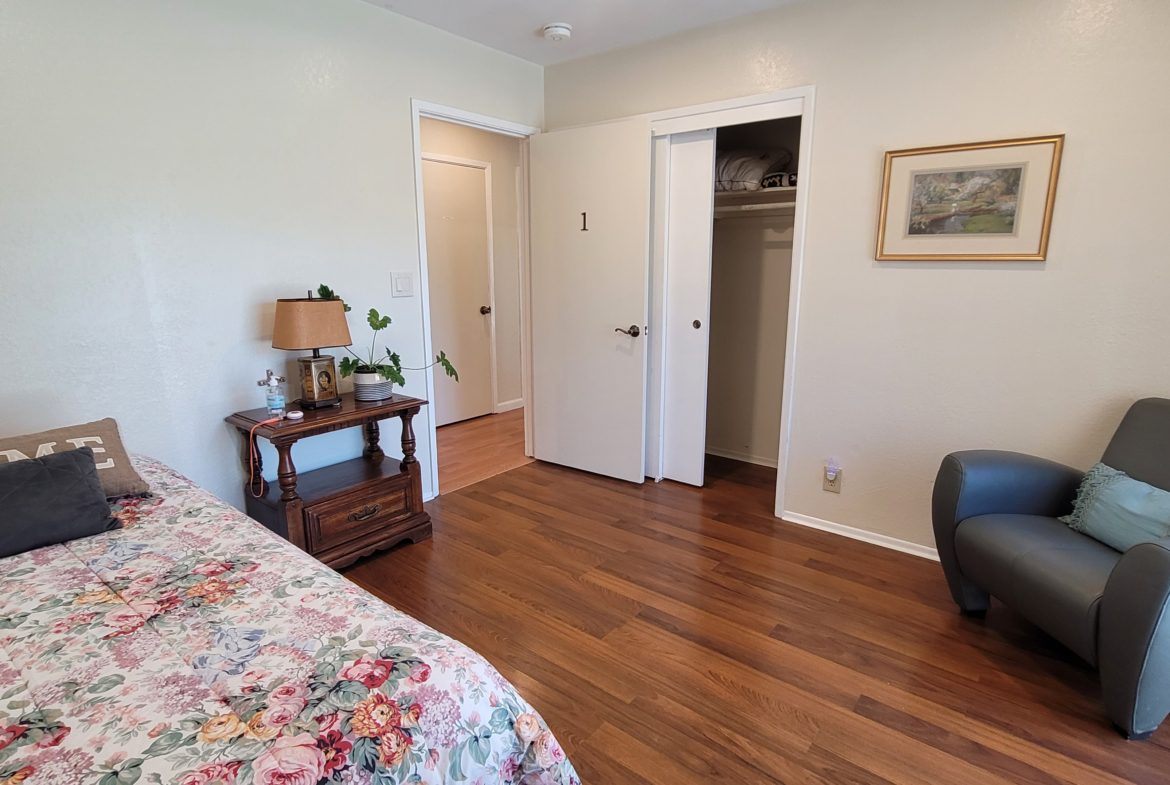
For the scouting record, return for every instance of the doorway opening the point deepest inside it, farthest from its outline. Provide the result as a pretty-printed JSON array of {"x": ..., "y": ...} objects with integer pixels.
[{"x": 473, "y": 238}]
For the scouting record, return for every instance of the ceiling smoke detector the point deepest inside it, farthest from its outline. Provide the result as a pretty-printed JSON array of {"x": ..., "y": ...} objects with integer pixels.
[{"x": 557, "y": 31}]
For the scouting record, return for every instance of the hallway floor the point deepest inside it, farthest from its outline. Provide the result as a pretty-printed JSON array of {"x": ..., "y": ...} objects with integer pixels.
[{"x": 473, "y": 450}]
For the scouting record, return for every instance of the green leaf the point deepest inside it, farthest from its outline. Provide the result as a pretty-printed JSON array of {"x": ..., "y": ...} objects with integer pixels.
[
  {"x": 325, "y": 293},
  {"x": 376, "y": 321},
  {"x": 107, "y": 683},
  {"x": 131, "y": 771},
  {"x": 500, "y": 720},
  {"x": 396, "y": 376},
  {"x": 480, "y": 746},
  {"x": 243, "y": 748},
  {"x": 128, "y": 774},
  {"x": 447, "y": 366},
  {"x": 455, "y": 770},
  {"x": 347, "y": 694},
  {"x": 166, "y": 743},
  {"x": 365, "y": 753},
  {"x": 13, "y": 621}
]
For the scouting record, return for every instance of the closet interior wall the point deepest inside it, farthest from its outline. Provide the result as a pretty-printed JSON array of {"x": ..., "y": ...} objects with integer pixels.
[{"x": 751, "y": 270}]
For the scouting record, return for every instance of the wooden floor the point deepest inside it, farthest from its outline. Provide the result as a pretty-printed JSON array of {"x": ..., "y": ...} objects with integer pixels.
[
  {"x": 474, "y": 450},
  {"x": 677, "y": 635}
]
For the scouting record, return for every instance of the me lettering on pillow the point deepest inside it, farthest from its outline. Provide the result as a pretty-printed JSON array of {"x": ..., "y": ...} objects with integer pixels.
[
  {"x": 78, "y": 442},
  {"x": 113, "y": 464}
]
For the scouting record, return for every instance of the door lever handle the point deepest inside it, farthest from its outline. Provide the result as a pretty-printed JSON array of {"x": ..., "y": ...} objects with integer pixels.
[
  {"x": 485, "y": 309},
  {"x": 633, "y": 332}
]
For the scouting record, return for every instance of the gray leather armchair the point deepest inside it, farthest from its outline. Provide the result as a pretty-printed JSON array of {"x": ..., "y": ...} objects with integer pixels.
[{"x": 997, "y": 534}]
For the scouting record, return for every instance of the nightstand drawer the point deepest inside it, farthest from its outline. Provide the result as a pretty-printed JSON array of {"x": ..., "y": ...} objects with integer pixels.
[{"x": 339, "y": 520}]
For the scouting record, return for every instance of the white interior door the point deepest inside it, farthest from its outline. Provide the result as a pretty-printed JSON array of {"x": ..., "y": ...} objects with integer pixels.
[
  {"x": 690, "y": 211},
  {"x": 455, "y": 201},
  {"x": 590, "y": 221}
]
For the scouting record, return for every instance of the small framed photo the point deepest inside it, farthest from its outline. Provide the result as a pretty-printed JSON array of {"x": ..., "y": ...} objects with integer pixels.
[{"x": 986, "y": 201}]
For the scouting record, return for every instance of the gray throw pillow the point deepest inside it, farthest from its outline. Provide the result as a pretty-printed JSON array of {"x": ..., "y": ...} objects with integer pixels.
[{"x": 45, "y": 501}]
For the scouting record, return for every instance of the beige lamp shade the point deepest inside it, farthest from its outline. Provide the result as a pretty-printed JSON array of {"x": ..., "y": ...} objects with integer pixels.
[{"x": 309, "y": 324}]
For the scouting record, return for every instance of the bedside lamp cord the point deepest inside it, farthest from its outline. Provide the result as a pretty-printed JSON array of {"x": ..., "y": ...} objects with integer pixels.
[{"x": 253, "y": 453}]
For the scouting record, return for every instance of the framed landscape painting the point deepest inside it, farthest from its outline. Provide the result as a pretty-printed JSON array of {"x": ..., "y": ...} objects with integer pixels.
[{"x": 986, "y": 201}]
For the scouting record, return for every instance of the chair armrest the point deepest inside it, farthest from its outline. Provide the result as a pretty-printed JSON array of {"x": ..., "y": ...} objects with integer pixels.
[
  {"x": 1133, "y": 639},
  {"x": 982, "y": 482}
]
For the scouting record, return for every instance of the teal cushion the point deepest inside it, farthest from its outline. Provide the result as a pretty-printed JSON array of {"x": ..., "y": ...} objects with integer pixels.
[{"x": 1118, "y": 510}]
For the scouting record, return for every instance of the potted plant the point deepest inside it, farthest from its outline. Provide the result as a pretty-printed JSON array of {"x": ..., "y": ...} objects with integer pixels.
[{"x": 375, "y": 375}]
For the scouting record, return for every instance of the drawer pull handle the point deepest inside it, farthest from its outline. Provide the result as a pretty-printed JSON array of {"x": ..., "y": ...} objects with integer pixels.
[{"x": 365, "y": 513}]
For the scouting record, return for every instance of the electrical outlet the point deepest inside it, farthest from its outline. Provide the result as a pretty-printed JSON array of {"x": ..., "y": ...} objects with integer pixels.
[{"x": 832, "y": 478}]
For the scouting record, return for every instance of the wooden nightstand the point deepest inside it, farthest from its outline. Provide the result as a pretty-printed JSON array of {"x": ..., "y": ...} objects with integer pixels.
[{"x": 342, "y": 512}]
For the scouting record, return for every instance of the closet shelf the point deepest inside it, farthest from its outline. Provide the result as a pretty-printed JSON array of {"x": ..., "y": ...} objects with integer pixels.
[{"x": 766, "y": 201}]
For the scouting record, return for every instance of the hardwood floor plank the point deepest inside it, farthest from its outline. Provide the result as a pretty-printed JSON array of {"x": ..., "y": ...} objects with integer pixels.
[
  {"x": 682, "y": 635},
  {"x": 1003, "y": 754}
]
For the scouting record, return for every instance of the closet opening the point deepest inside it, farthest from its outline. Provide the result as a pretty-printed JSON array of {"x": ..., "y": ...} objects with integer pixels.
[
  {"x": 757, "y": 170},
  {"x": 726, "y": 207}
]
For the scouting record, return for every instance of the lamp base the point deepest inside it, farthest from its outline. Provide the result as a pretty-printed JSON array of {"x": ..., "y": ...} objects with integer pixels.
[
  {"x": 318, "y": 382},
  {"x": 325, "y": 404}
]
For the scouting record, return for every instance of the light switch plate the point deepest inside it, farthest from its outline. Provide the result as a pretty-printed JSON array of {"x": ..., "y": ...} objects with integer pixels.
[{"x": 401, "y": 285}]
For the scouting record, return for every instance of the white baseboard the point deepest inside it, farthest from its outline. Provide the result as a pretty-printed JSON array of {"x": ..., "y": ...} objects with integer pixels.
[
  {"x": 507, "y": 406},
  {"x": 742, "y": 456},
  {"x": 893, "y": 543}
]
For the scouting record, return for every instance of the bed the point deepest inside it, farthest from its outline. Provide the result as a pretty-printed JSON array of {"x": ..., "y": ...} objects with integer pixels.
[{"x": 192, "y": 646}]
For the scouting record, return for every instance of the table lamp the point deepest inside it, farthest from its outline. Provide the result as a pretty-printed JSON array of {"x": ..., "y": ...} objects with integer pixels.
[{"x": 312, "y": 323}]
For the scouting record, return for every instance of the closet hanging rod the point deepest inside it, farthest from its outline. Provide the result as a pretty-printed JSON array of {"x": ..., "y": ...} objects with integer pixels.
[{"x": 754, "y": 210}]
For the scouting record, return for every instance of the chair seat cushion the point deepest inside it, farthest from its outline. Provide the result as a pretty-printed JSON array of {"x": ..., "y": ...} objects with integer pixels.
[{"x": 1051, "y": 574}]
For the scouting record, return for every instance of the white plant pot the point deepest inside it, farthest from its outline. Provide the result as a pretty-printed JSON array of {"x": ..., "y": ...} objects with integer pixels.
[{"x": 371, "y": 386}]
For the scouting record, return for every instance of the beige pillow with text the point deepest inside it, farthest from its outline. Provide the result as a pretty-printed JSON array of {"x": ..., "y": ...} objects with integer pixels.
[{"x": 113, "y": 464}]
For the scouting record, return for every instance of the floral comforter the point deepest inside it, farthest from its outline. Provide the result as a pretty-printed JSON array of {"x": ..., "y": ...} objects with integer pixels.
[{"x": 194, "y": 647}]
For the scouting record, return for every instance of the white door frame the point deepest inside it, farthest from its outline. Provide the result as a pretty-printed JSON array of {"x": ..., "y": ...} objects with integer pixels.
[
  {"x": 769, "y": 106},
  {"x": 418, "y": 110},
  {"x": 486, "y": 167}
]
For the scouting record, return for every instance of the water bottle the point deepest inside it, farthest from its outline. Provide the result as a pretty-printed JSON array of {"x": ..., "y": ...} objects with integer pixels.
[{"x": 274, "y": 398}]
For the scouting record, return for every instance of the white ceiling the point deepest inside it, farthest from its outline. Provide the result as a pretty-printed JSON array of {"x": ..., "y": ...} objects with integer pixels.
[{"x": 598, "y": 25}]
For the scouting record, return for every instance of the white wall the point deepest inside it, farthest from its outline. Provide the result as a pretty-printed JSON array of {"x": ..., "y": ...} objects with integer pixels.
[
  {"x": 899, "y": 364},
  {"x": 170, "y": 167},
  {"x": 751, "y": 267},
  {"x": 503, "y": 153}
]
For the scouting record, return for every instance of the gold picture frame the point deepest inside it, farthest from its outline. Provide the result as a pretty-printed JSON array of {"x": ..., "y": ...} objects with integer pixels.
[{"x": 982, "y": 201}]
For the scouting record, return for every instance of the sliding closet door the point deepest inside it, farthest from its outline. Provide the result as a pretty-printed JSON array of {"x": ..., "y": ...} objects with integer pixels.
[
  {"x": 690, "y": 206},
  {"x": 590, "y": 224}
]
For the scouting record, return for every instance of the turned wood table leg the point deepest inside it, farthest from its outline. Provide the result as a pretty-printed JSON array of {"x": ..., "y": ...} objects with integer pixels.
[
  {"x": 291, "y": 506},
  {"x": 286, "y": 473},
  {"x": 253, "y": 465},
  {"x": 373, "y": 451},
  {"x": 408, "y": 442}
]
